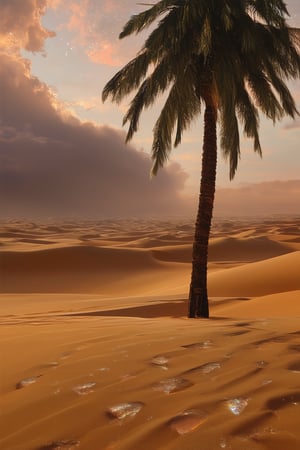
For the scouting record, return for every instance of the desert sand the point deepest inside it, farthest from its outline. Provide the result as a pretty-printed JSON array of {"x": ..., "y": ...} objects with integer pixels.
[{"x": 97, "y": 352}]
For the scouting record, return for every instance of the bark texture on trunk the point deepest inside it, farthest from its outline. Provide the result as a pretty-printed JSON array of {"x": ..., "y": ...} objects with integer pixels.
[{"x": 198, "y": 299}]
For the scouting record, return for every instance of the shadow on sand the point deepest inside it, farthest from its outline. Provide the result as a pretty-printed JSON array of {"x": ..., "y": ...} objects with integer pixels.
[
  {"x": 165, "y": 309},
  {"x": 174, "y": 309}
]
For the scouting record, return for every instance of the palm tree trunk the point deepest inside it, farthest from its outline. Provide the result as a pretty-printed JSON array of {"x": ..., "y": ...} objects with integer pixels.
[{"x": 198, "y": 299}]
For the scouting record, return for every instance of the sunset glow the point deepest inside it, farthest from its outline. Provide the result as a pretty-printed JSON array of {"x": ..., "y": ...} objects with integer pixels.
[{"x": 55, "y": 59}]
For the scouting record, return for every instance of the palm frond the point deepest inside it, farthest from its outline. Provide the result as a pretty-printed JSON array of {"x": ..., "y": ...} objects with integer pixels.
[
  {"x": 139, "y": 22},
  {"x": 134, "y": 112},
  {"x": 271, "y": 12},
  {"x": 162, "y": 132},
  {"x": 181, "y": 107},
  {"x": 174, "y": 29},
  {"x": 286, "y": 99},
  {"x": 189, "y": 104},
  {"x": 263, "y": 95},
  {"x": 248, "y": 115},
  {"x": 156, "y": 83},
  {"x": 128, "y": 78},
  {"x": 230, "y": 138}
]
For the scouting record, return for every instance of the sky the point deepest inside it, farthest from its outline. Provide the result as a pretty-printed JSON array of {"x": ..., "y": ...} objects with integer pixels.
[{"x": 62, "y": 151}]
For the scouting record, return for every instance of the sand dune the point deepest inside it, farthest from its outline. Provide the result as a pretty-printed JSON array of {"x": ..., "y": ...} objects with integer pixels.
[
  {"x": 228, "y": 249},
  {"x": 97, "y": 353},
  {"x": 273, "y": 275},
  {"x": 87, "y": 268},
  {"x": 247, "y": 249},
  {"x": 283, "y": 304},
  {"x": 175, "y": 253},
  {"x": 77, "y": 259},
  {"x": 80, "y": 268}
]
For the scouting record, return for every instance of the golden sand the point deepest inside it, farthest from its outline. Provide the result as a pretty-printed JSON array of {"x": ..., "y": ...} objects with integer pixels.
[{"x": 97, "y": 352}]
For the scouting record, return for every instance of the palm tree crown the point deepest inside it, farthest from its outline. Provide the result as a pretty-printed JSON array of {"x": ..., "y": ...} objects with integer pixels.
[
  {"x": 231, "y": 56},
  {"x": 235, "y": 53}
]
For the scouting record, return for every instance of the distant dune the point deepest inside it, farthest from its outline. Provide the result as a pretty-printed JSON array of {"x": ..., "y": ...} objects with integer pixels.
[{"x": 226, "y": 249}]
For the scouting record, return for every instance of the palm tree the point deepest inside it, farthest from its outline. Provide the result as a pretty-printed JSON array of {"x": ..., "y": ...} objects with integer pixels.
[{"x": 232, "y": 57}]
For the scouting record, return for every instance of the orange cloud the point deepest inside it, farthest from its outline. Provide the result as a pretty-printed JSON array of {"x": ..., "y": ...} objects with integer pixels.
[
  {"x": 95, "y": 28},
  {"x": 55, "y": 3},
  {"x": 89, "y": 36},
  {"x": 105, "y": 53},
  {"x": 20, "y": 25},
  {"x": 78, "y": 18}
]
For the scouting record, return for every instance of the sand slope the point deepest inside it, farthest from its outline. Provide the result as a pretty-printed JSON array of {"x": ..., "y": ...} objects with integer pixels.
[
  {"x": 81, "y": 269},
  {"x": 283, "y": 304},
  {"x": 97, "y": 353},
  {"x": 186, "y": 376},
  {"x": 260, "y": 278}
]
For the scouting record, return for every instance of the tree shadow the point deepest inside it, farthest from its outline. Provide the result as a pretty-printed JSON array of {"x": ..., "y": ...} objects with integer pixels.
[
  {"x": 165, "y": 309},
  {"x": 173, "y": 309}
]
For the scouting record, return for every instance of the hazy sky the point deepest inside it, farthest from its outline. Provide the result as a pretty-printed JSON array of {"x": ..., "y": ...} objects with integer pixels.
[{"x": 62, "y": 151}]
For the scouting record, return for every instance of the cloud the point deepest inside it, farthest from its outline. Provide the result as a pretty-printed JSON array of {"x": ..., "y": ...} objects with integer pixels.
[
  {"x": 20, "y": 25},
  {"x": 95, "y": 28},
  {"x": 259, "y": 199},
  {"x": 52, "y": 164}
]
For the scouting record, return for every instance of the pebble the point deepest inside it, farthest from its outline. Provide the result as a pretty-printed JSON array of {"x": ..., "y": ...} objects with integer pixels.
[
  {"x": 210, "y": 367},
  {"x": 237, "y": 405},
  {"x": 187, "y": 421},
  {"x": 27, "y": 381},
  {"x": 159, "y": 360},
  {"x": 172, "y": 385},
  {"x": 86, "y": 388},
  {"x": 123, "y": 410}
]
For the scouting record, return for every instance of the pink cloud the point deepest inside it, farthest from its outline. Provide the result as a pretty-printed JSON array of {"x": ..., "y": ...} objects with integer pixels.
[
  {"x": 20, "y": 25},
  {"x": 106, "y": 53},
  {"x": 78, "y": 18},
  {"x": 95, "y": 28}
]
